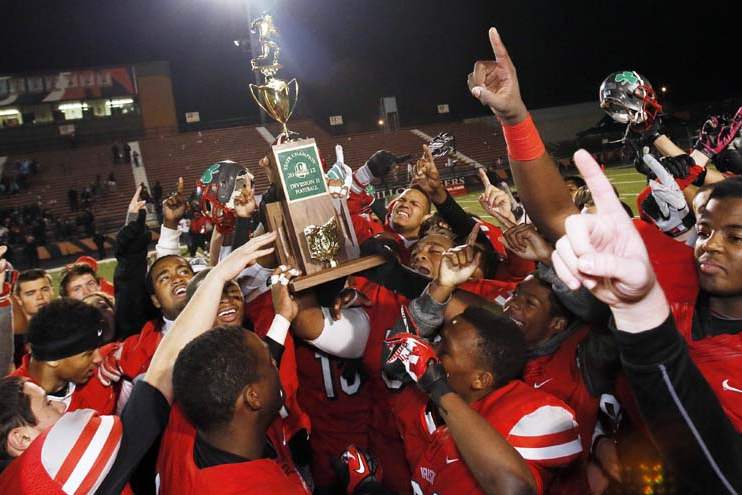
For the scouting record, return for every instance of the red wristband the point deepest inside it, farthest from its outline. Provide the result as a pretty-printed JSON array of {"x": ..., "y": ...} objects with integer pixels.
[{"x": 523, "y": 140}]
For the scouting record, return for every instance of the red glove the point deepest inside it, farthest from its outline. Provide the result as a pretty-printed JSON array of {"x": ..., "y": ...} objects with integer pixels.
[
  {"x": 355, "y": 467},
  {"x": 408, "y": 354},
  {"x": 109, "y": 370}
]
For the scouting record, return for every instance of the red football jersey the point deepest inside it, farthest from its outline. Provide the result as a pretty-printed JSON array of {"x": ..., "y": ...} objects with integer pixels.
[
  {"x": 90, "y": 395},
  {"x": 74, "y": 456},
  {"x": 559, "y": 375},
  {"x": 384, "y": 439},
  {"x": 333, "y": 392},
  {"x": 137, "y": 350},
  {"x": 496, "y": 291},
  {"x": 179, "y": 473},
  {"x": 718, "y": 358},
  {"x": 538, "y": 425}
]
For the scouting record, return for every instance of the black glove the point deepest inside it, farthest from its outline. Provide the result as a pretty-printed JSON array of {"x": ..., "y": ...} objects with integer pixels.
[
  {"x": 408, "y": 357},
  {"x": 678, "y": 166},
  {"x": 355, "y": 468},
  {"x": 133, "y": 237},
  {"x": 382, "y": 162},
  {"x": 380, "y": 245},
  {"x": 729, "y": 160},
  {"x": 640, "y": 136}
]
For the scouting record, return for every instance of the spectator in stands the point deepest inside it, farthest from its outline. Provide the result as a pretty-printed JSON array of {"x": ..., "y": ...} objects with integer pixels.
[
  {"x": 100, "y": 242},
  {"x": 116, "y": 153},
  {"x": 135, "y": 157},
  {"x": 72, "y": 198},
  {"x": 127, "y": 153},
  {"x": 111, "y": 182},
  {"x": 86, "y": 197},
  {"x": 30, "y": 252}
]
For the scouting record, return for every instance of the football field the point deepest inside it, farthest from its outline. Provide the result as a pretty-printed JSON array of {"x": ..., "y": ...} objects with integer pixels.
[{"x": 627, "y": 180}]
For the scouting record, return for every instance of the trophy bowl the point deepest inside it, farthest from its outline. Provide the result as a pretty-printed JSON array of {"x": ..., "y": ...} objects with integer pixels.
[{"x": 277, "y": 98}]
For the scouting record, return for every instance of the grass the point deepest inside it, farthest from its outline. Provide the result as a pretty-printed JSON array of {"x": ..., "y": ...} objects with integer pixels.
[{"x": 627, "y": 180}]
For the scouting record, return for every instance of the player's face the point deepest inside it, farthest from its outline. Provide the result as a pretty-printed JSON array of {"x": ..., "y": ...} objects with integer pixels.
[
  {"x": 231, "y": 306},
  {"x": 427, "y": 254},
  {"x": 700, "y": 200},
  {"x": 409, "y": 210},
  {"x": 269, "y": 385},
  {"x": 572, "y": 187},
  {"x": 530, "y": 309},
  {"x": 458, "y": 351},
  {"x": 34, "y": 295},
  {"x": 82, "y": 286},
  {"x": 79, "y": 368},
  {"x": 718, "y": 248},
  {"x": 47, "y": 412},
  {"x": 170, "y": 280}
]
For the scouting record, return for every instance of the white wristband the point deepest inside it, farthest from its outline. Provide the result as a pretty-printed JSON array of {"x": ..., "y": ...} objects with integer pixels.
[{"x": 279, "y": 329}]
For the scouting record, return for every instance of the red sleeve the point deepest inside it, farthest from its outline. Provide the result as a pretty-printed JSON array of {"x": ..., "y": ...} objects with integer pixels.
[
  {"x": 359, "y": 202},
  {"x": 365, "y": 227}
]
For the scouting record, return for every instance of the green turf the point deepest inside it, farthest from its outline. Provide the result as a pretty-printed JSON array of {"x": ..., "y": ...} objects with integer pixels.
[{"x": 627, "y": 180}]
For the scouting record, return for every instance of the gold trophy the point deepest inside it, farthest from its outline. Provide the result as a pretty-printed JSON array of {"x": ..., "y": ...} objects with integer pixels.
[
  {"x": 276, "y": 97},
  {"x": 315, "y": 233}
]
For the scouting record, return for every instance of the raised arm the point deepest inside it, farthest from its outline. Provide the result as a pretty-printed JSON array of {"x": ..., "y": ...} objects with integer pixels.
[
  {"x": 604, "y": 253},
  {"x": 6, "y": 318},
  {"x": 495, "y": 84},
  {"x": 199, "y": 314}
]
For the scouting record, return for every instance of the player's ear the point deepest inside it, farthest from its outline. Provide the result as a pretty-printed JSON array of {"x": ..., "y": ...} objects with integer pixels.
[
  {"x": 155, "y": 301},
  {"x": 558, "y": 323},
  {"x": 482, "y": 380},
  {"x": 251, "y": 397}
]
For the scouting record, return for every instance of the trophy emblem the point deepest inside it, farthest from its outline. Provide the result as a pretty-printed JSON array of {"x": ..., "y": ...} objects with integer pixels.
[
  {"x": 324, "y": 243},
  {"x": 275, "y": 96}
]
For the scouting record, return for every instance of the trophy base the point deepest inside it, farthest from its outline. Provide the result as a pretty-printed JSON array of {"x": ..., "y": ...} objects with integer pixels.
[{"x": 342, "y": 270}]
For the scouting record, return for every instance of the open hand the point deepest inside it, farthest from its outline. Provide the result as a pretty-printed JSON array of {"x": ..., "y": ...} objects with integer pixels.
[
  {"x": 525, "y": 241},
  {"x": 244, "y": 256}
]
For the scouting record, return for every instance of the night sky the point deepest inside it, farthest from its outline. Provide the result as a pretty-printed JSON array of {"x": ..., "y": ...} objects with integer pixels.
[{"x": 346, "y": 54}]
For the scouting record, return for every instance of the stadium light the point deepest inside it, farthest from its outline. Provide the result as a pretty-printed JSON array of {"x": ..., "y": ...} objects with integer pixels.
[
  {"x": 381, "y": 122},
  {"x": 6, "y": 112},
  {"x": 663, "y": 89}
]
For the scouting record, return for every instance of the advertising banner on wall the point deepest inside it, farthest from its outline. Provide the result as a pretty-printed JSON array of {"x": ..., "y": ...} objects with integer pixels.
[{"x": 84, "y": 84}]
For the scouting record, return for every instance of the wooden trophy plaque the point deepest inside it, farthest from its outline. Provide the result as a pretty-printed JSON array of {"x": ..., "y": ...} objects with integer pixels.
[{"x": 315, "y": 233}]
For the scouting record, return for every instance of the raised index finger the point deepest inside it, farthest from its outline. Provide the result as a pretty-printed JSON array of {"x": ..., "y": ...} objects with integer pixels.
[
  {"x": 483, "y": 177},
  {"x": 472, "y": 239},
  {"x": 181, "y": 185},
  {"x": 498, "y": 47},
  {"x": 604, "y": 198}
]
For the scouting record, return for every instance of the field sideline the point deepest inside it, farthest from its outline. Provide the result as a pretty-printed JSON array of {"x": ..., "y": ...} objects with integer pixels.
[{"x": 627, "y": 180}]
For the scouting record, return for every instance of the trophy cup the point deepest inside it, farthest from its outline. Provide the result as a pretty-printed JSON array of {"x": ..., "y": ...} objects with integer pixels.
[
  {"x": 315, "y": 231},
  {"x": 276, "y": 97}
]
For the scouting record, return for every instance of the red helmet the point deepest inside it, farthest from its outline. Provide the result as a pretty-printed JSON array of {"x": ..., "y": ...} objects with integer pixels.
[{"x": 217, "y": 188}]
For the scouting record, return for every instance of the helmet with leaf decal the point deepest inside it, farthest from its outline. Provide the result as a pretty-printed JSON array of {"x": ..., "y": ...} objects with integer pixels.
[
  {"x": 628, "y": 98},
  {"x": 217, "y": 189}
]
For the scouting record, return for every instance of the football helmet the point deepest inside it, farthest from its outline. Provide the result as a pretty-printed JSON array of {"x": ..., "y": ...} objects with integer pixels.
[
  {"x": 628, "y": 98},
  {"x": 217, "y": 189}
]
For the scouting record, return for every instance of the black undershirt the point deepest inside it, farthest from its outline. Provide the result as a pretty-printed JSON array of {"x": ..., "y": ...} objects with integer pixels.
[
  {"x": 206, "y": 455},
  {"x": 705, "y": 324}
]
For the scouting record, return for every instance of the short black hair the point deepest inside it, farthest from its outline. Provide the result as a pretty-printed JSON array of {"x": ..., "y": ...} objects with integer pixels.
[
  {"x": 30, "y": 276},
  {"x": 502, "y": 347},
  {"x": 730, "y": 187},
  {"x": 209, "y": 374},
  {"x": 557, "y": 307},
  {"x": 59, "y": 320},
  {"x": 149, "y": 284},
  {"x": 579, "y": 181},
  {"x": 15, "y": 410},
  {"x": 74, "y": 271}
]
